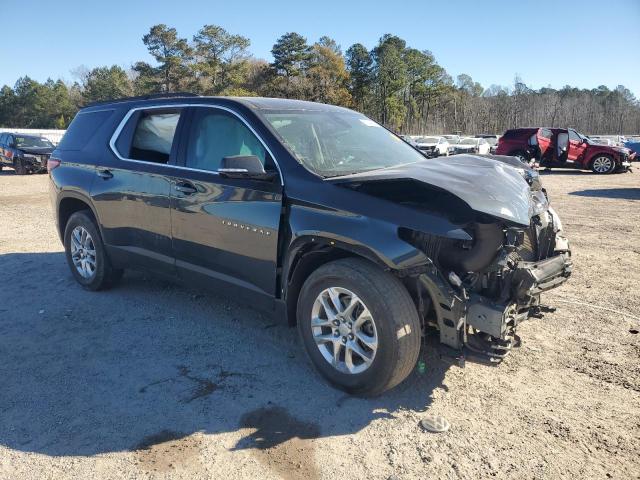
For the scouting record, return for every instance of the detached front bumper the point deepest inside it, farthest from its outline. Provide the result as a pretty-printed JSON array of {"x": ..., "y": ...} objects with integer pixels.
[
  {"x": 527, "y": 282},
  {"x": 532, "y": 278},
  {"x": 468, "y": 319},
  {"x": 35, "y": 162}
]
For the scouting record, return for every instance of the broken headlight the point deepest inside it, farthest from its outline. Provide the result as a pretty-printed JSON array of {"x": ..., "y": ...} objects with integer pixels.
[{"x": 539, "y": 203}]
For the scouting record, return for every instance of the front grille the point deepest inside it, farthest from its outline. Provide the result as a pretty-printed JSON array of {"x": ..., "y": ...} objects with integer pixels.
[
  {"x": 527, "y": 250},
  {"x": 542, "y": 228}
]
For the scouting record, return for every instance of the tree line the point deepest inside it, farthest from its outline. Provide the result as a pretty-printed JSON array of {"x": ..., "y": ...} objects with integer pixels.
[{"x": 402, "y": 87}]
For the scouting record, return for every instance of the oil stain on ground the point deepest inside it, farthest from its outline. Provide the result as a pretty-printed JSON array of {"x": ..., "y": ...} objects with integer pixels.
[
  {"x": 166, "y": 451},
  {"x": 281, "y": 442}
]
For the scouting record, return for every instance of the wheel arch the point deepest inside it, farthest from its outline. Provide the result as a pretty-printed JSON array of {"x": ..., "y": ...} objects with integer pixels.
[
  {"x": 70, "y": 203},
  {"x": 305, "y": 255}
]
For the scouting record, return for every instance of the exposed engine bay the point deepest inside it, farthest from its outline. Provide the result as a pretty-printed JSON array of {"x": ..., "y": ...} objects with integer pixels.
[{"x": 476, "y": 291}]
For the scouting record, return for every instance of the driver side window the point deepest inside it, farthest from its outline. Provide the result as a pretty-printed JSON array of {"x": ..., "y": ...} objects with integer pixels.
[
  {"x": 574, "y": 136},
  {"x": 215, "y": 134}
]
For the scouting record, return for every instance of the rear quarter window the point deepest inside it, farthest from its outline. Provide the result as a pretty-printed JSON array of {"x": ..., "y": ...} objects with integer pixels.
[{"x": 83, "y": 128}]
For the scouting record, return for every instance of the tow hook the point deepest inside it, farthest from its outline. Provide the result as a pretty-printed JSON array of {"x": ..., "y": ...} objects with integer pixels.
[{"x": 538, "y": 311}]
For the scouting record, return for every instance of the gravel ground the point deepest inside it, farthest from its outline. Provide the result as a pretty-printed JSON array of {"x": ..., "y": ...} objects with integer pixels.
[{"x": 151, "y": 379}]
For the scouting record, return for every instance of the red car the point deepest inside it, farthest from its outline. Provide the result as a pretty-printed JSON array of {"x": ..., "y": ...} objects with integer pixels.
[{"x": 563, "y": 148}]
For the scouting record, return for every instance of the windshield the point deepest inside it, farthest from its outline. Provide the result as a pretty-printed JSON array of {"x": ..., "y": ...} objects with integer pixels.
[
  {"x": 468, "y": 141},
  {"x": 33, "y": 142},
  {"x": 428, "y": 140},
  {"x": 339, "y": 143}
]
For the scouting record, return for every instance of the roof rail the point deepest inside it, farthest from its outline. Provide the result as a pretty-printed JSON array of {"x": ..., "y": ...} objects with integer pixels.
[{"x": 150, "y": 96}]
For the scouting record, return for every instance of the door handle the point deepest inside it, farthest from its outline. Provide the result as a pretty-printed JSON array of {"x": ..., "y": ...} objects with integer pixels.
[
  {"x": 106, "y": 174},
  {"x": 186, "y": 188}
]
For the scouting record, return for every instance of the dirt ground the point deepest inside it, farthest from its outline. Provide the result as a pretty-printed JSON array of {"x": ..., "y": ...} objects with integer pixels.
[{"x": 151, "y": 379}]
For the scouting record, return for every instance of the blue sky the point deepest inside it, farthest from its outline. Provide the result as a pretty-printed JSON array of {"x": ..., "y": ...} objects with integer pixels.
[{"x": 581, "y": 43}]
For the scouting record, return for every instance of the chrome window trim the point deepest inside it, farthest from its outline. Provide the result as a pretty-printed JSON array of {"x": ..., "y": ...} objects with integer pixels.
[{"x": 125, "y": 119}]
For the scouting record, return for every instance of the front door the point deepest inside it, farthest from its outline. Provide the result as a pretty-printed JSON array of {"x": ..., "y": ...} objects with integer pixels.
[
  {"x": 225, "y": 231},
  {"x": 576, "y": 147}
]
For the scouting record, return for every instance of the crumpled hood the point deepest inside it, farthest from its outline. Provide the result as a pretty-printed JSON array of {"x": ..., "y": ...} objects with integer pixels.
[
  {"x": 486, "y": 185},
  {"x": 37, "y": 150}
]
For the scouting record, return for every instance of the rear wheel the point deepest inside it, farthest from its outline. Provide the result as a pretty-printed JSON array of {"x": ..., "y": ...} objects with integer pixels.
[
  {"x": 86, "y": 255},
  {"x": 603, "y": 164},
  {"x": 359, "y": 326},
  {"x": 520, "y": 155}
]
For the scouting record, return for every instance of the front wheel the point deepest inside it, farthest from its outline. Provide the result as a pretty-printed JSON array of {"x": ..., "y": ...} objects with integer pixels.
[
  {"x": 86, "y": 255},
  {"x": 20, "y": 167},
  {"x": 359, "y": 326},
  {"x": 603, "y": 164}
]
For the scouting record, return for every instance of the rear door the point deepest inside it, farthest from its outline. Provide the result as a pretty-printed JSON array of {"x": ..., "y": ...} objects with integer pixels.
[
  {"x": 544, "y": 142},
  {"x": 6, "y": 152},
  {"x": 2, "y": 141},
  {"x": 132, "y": 190},
  {"x": 576, "y": 147},
  {"x": 225, "y": 231},
  {"x": 562, "y": 145}
]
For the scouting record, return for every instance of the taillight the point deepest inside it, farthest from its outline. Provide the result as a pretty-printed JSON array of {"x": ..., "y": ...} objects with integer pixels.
[{"x": 52, "y": 163}]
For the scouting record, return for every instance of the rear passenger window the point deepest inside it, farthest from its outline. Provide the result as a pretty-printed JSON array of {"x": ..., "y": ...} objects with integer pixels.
[
  {"x": 153, "y": 136},
  {"x": 216, "y": 134}
]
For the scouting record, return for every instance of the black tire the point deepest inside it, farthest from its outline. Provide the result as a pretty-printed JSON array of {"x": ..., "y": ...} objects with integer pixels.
[
  {"x": 396, "y": 322},
  {"x": 603, "y": 164},
  {"x": 105, "y": 275},
  {"x": 19, "y": 167},
  {"x": 520, "y": 155}
]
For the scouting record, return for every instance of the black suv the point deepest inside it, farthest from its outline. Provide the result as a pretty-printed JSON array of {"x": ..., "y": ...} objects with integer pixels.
[
  {"x": 315, "y": 213},
  {"x": 24, "y": 153}
]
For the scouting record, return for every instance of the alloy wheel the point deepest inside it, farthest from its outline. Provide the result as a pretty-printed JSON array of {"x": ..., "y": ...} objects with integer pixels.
[
  {"x": 83, "y": 252},
  {"x": 602, "y": 164},
  {"x": 344, "y": 330}
]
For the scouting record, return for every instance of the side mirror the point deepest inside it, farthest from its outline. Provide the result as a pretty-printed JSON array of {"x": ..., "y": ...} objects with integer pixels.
[
  {"x": 584, "y": 140},
  {"x": 244, "y": 166}
]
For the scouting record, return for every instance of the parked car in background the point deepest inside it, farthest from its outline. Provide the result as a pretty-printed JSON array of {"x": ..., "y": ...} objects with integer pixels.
[
  {"x": 24, "y": 153},
  {"x": 634, "y": 146},
  {"x": 433, "y": 146},
  {"x": 563, "y": 148},
  {"x": 492, "y": 140},
  {"x": 409, "y": 139},
  {"x": 602, "y": 141},
  {"x": 315, "y": 214},
  {"x": 471, "y": 145},
  {"x": 615, "y": 140},
  {"x": 452, "y": 139}
]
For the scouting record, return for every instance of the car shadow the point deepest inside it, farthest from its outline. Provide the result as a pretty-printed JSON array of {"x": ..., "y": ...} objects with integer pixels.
[
  {"x": 569, "y": 171},
  {"x": 149, "y": 363},
  {"x": 618, "y": 193}
]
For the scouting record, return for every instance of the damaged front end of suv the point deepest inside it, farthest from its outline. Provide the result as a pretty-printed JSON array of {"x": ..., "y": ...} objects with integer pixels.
[{"x": 479, "y": 282}]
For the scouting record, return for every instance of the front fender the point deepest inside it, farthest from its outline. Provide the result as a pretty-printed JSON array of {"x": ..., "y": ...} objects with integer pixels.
[{"x": 374, "y": 239}]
